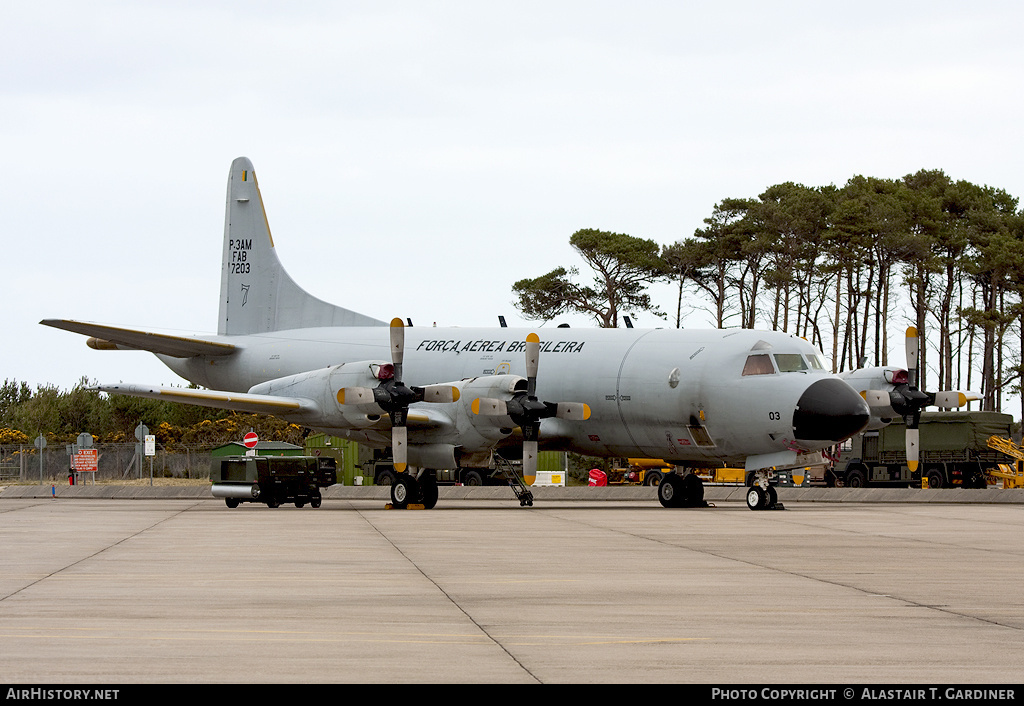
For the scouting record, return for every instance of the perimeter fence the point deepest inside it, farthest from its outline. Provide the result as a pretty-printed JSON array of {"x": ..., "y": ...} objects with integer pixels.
[{"x": 21, "y": 463}]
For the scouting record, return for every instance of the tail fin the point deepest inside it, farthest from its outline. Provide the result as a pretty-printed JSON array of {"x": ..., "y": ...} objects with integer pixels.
[{"x": 256, "y": 294}]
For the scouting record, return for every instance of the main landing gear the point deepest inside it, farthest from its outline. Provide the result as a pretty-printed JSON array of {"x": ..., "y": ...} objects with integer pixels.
[
  {"x": 761, "y": 495},
  {"x": 407, "y": 490},
  {"x": 681, "y": 491}
]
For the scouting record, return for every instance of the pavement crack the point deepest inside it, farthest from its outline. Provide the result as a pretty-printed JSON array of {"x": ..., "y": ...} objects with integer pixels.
[
  {"x": 452, "y": 600},
  {"x": 94, "y": 554}
]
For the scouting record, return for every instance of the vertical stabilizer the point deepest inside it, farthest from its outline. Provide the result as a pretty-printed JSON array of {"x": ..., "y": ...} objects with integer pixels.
[{"x": 256, "y": 294}]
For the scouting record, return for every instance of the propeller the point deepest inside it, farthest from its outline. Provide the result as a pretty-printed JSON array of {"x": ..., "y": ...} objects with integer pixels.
[
  {"x": 394, "y": 397},
  {"x": 527, "y": 411},
  {"x": 908, "y": 401}
]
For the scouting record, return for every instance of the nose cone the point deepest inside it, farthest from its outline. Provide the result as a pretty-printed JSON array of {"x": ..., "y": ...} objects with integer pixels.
[{"x": 829, "y": 410}]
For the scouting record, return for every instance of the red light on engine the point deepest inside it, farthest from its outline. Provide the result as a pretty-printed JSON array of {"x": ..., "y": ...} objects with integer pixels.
[{"x": 899, "y": 377}]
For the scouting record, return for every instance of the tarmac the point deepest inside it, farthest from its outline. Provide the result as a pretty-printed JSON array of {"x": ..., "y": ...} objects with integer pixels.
[{"x": 589, "y": 586}]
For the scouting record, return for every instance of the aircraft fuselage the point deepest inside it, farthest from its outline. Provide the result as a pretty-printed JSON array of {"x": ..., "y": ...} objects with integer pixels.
[{"x": 662, "y": 393}]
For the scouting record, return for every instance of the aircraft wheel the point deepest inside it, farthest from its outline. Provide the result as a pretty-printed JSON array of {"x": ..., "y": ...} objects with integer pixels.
[
  {"x": 693, "y": 488},
  {"x": 403, "y": 491},
  {"x": 231, "y": 502},
  {"x": 299, "y": 503},
  {"x": 316, "y": 500},
  {"x": 428, "y": 490},
  {"x": 757, "y": 499},
  {"x": 773, "y": 497},
  {"x": 671, "y": 492}
]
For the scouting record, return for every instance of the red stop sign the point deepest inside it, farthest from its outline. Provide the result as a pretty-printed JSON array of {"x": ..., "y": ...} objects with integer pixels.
[{"x": 250, "y": 440}]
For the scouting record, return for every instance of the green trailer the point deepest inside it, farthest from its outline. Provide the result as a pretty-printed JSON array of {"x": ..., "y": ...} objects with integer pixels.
[{"x": 954, "y": 452}]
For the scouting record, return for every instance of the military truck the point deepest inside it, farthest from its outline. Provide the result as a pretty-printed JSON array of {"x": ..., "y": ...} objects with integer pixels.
[
  {"x": 272, "y": 480},
  {"x": 954, "y": 452}
]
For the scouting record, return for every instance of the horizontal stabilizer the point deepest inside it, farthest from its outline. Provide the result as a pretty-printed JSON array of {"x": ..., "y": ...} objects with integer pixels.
[
  {"x": 112, "y": 337},
  {"x": 239, "y": 401}
]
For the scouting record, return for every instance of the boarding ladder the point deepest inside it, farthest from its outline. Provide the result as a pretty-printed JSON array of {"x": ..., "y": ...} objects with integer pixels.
[{"x": 515, "y": 481}]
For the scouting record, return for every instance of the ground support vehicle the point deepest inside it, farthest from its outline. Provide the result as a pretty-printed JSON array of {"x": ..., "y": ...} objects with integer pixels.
[
  {"x": 1011, "y": 474},
  {"x": 954, "y": 452},
  {"x": 272, "y": 480},
  {"x": 382, "y": 471}
]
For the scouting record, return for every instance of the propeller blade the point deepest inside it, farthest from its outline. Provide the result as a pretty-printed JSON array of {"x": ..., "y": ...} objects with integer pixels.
[
  {"x": 913, "y": 348},
  {"x": 440, "y": 393},
  {"x": 355, "y": 395},
  {"x": 400, "y": 447},
  {"x": 913, "y": 447},
  {"x": 950, "y": 399},
  {"x": 529, "y": 462},
  {"x": 532, "y": 362},
  {"x": 876, "y": 398},
  {"x": 489, "y": 407},
  {"x": 397, "y": 346},
  {"x": 573, "y": 411}
]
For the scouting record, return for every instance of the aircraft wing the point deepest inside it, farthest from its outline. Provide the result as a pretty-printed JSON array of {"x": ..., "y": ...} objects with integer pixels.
[
  {"x": 420, "y": 419},
  {"x": 112, "y": 337},
  {"x": 240, "y": 401}
]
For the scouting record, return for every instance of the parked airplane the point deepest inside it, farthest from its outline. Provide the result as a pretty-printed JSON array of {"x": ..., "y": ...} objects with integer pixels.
[
  {"x": 893, "y": 392},
  {"x": 452, "y": 397}
]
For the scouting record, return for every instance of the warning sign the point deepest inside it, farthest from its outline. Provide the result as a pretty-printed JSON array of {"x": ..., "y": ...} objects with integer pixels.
[{"x": 85, "y": 461}]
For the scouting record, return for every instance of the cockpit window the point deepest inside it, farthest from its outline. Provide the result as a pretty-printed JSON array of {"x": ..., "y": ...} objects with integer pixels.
[
  {"x": 790, "y": 362},
  {"x": 815, "y": 362},
  {"x": 758, "y": 365}
]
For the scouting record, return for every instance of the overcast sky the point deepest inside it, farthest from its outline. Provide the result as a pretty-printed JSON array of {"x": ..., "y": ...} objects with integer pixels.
[{"x": 417, "y": 158}]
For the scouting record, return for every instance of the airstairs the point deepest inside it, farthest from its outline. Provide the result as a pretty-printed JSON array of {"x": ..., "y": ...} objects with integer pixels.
[{"x": 515, "y": 481}]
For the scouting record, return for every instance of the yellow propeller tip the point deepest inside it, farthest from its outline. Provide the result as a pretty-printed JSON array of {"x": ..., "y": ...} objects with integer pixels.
[
  {"x": 397, "y": 323},
  {"x": 532, "y": 338}
]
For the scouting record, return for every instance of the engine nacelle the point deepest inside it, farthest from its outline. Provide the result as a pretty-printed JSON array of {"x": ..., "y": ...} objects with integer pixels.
[
  {"x": 323, "y": 385},
  {"x": 501, "y": 387},
  {"x": 875, "y": 386}
]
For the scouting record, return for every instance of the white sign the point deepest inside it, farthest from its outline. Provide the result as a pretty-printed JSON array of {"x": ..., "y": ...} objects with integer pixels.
[{"x": 150, "y": 445}]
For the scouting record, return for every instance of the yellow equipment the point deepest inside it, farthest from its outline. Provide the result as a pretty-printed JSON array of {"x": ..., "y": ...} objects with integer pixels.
[{"x": 1012, "y": 475}]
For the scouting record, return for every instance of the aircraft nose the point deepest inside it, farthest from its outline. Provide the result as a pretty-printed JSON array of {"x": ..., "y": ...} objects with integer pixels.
[{"x": 829, "y": 410}]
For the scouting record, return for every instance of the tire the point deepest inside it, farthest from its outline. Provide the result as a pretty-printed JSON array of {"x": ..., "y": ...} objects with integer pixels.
[
  {"x": 693, "y": 490},
  {"x": 403, "y": 491},
  {"x": 773, "y": 497},
  {"x": 472, "y": 478},
  {"x": 385, "y": 478},
  {"x": 315, "y": 501},
  {"x": 936, "y": 479},
  {"x": 757, "y": 499},
  {"x": 653, "y": 478},
  {"x": 855, "y": 478},
  {"x": 231, "y": 502},
  {"x": 428, "y": 490},
  {"x": 671, "y": 492}
]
